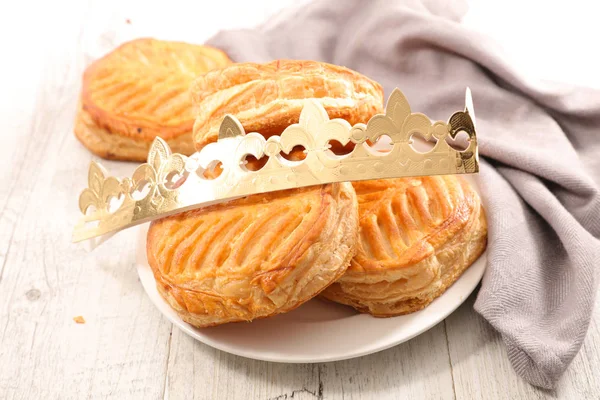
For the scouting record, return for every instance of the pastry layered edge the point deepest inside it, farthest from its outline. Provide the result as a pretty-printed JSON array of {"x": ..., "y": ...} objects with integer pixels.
[
  {"x": 115, "y": 146},
  {"x": 449, "y": 261}
]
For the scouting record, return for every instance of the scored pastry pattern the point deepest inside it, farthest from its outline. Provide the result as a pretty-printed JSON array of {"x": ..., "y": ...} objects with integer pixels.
[
  {"x": 171, "y": 183},
  {"x": 141, "y": 89},
  {"x": 417, "y": 235}
]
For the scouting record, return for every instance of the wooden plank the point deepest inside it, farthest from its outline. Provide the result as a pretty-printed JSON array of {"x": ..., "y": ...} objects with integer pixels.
[
  {"x": 417, "y": 369},
  {"x": 479, "y": 363},
  {"x": 581, "y": 381},
  {"x": 482, "y": 370},
  {"x": 198, "y": 371},
  {"x": 121, "y": 350}
]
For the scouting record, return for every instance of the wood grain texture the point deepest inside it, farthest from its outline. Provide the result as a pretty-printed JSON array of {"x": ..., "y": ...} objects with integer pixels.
[
  {"x": 45, "y": 280},
  {"x": 126, "y": 349},
  {"x": 419, "y": 368},
  {"x": 481, "y": 368}
]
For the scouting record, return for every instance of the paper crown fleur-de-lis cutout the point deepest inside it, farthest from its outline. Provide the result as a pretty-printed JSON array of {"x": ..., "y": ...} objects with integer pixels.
[{"x": 172, "y": 183}]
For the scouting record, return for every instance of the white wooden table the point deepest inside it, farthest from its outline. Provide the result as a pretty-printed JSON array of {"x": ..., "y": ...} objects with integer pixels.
[{"x": 126, "y": 349}]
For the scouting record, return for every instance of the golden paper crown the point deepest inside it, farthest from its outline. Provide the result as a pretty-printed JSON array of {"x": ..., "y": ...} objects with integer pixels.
[{"x": 172, "y": 183}]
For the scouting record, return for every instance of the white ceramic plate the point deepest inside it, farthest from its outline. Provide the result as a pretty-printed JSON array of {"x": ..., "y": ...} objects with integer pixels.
[{"x": 318, "y": 331}]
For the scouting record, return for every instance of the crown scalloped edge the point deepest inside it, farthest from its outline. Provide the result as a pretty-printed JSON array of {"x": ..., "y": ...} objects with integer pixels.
[{"x": 172, "y": 183}]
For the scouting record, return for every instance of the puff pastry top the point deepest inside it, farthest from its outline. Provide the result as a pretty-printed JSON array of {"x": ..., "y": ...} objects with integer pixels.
[
  {"x": 403, "y": 221},
  {"x": 266, "y": 98},
  {"x": 141, "y": 89},
  {"x": 256, "y": 256},
  {"x": 417, "y": 237}
]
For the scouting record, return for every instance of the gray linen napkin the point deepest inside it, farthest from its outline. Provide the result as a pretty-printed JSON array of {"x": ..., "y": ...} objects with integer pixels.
[{"x": 541, "y": 156}]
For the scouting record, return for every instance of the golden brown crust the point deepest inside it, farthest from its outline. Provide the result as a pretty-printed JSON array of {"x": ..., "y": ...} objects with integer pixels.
[
  {"x": 266, "y": 98},
  {"x": 253, "y": 257},
  {"x": 417, "y": 236},
  {"x": 105, "y": 144},
  {"x": 140, "y": 91}
]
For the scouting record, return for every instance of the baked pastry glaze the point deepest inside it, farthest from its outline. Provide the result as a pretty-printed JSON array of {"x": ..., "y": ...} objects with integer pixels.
[
  {"x": 267, "y": 98},
  {"x": 417, "y": 236},
  {"x": 140, "y": 91},
  {"x": 253, "y": 257}
]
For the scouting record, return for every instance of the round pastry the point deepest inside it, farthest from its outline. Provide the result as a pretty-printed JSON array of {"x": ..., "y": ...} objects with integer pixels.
[
  {"x": 267, "y": 98},
  {"x": 254, "y": 257},
  {"x": 140, "y": 91},
  {"x": 417, "y": 236}
]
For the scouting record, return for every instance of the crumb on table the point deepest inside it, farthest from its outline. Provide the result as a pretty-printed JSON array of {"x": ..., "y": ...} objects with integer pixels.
[{"x": 79, "y": 319}]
